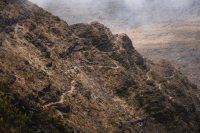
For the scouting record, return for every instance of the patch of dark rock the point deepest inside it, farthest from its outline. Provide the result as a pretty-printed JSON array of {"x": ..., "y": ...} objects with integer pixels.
[
  {"x": 88, "y": 110},
  {"x": 48, "y": 88},
  {"x": 32, "y": 97},
  {"x": 62, "y": 55},
  {"x": 49, "y": 98},
  {"x": 50, "y": 64},
  {"x": 98, "y": 34},
  {"x": 55, "y": 31},
  {"x": 11, "y": 96},
  {"x": 179, "y": 92},
  {"x": 1, "y": 43},
  {"x": 164, "y": 117},
  {"x": 52, "y": 96},
  {"x": 75, "y": 47},
  {"x": 44, "y": 39},
  {"x": 47, "y": 54},
  {"x": 123, "y": 91},
  {"x": 38, "y": 41},
  {"x": 140, "y": 61},
  {"x": 45, "y": 90},
  {"x": 41, "y": 75},
  {"x": 7, "y": 30},
  {"x": 32, "y": 27},
  {"x": 88, "y": 95},
  {"x": 105, "y": 46},
  {"x": 1, "y": 71},
  {"x": 155, "y": 107},
  {"x": 12, "y": 21},
  {"x": 120, "y": 125},
  {"x": 150, "y": 82},
  {"x": 41, "y": 93},
  {"x": 63, "y": 108},
  {"x": 26, "y": 62},
  {"x": 11, "y": 80},
  {"x": 68, "y": 51},
  {"x": 136, "y": 121},
  {"x": 120, "y": 58},
  {"x": 127, "y": 43},
  {"x": 3, "y": 86},
  {"x": 57, "y": 19},
  {"x": 76, "y": 130}
]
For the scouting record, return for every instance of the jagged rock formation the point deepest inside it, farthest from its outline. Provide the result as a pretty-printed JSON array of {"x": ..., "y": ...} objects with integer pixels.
[{"x": 85, "y": 79}]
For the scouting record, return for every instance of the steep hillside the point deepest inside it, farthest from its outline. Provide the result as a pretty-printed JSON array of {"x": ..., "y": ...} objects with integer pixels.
[
  {"x": 82, "y": 78},
  {"x": 160, "y": 29}
]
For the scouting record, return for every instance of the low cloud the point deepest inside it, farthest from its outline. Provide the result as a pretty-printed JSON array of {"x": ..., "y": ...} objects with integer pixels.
[{"x": 118, "y": 13}]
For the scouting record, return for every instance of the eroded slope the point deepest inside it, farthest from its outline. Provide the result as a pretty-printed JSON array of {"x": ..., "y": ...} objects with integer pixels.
[{"x": 89, "y": 79}]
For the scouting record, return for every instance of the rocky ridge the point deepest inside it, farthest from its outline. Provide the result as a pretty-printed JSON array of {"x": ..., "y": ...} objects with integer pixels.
[{"x": 85, "y": 79}]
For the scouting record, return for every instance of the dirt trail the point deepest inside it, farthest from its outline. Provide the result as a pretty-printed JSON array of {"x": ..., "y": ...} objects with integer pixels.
[
  {"x": 101, "y": 66},
  {"x": 60, "y": 101},
  {"x": 159, "y": 85},
  {"x": 148, "y": 75},
  {"x": 62, "y": 97}
]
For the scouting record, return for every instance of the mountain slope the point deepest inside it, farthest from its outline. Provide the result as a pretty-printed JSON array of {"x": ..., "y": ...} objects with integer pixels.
[{"x": 84, "y": 77}]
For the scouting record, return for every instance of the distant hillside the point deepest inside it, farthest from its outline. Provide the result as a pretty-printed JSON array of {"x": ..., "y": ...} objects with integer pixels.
[{"x": 177, "y": 42}]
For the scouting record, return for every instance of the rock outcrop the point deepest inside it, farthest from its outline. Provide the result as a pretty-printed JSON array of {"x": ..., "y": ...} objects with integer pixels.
[{"x": 85, "y": 79}]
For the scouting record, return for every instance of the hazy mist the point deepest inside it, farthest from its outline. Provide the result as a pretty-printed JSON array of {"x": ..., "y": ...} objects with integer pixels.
[{"x": 120, "y": 13}]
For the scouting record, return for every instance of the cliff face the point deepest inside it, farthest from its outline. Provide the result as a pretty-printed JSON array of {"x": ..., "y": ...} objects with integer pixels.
[{"x": 82, "y": 78}]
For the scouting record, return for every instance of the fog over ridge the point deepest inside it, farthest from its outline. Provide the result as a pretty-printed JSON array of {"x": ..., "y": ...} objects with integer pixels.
[{"x": 120, "y": 13}]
